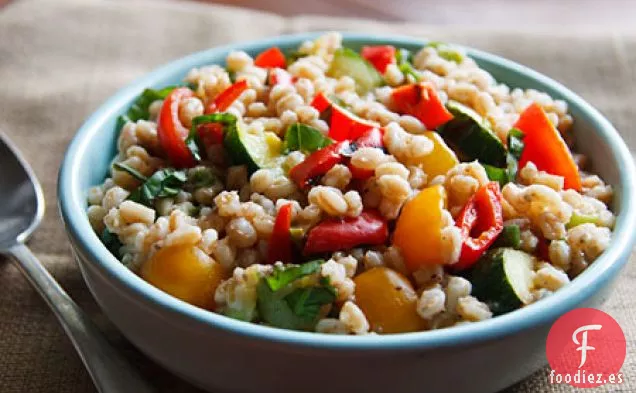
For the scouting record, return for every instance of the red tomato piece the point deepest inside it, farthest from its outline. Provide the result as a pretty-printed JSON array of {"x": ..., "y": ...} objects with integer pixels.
[
  {"x": 271, "y": 58},
  {"x": 480, "y": 221},
  {"x": 280, "y": 243},
  {"x": 171, "y": 132},
  {"x": 421, "y": 101},
  {"x": 544, "y": 146},
  {"x": 318, "y": 163},
  {"x": 320, "y": 102},
  {"x": 379, "y": 55},
  {"x": 223, "y": 101},
  {"x": 334, "y": 234}
]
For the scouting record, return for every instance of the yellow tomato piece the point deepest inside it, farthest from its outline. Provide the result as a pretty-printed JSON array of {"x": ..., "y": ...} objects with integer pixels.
[
  {"x": 388, "y": 300},
  {"x": 274, "y": 143},
  {"x": 440, "y": 160},
  {"x": 418, "y": 229},
  {"x": 186, "y": 273}
]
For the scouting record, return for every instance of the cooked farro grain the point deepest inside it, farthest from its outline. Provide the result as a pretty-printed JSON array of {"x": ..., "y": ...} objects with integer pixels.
[{"x": 431, "y": 302}]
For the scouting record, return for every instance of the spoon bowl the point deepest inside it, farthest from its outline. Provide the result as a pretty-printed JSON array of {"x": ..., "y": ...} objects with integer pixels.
[
  {"x": 22, "y": 201},
  {"x": 21, "y": 210}
]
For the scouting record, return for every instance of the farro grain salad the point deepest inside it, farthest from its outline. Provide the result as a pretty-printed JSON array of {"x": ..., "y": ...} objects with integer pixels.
[{"x": 348, "y": 192}]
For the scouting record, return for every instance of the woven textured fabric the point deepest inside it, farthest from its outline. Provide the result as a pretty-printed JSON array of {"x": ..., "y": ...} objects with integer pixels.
[{"x": 60, "y": 59}]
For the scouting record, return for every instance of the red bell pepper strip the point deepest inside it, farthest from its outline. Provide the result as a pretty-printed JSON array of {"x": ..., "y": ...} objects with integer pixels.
[
  {"x": 210, "y": 133},
  {"x": 421, "y": 101},
  {"x": 379, "y": 55},
  {"x": 223, "y": 101},
  {"x": 278, "y": 76},
  {"x": 343, "y": 125},
  {"x": 271, "y": 58},
  {"x": 171, "y": 132},
  {"x": 318, "y": 163},
  {"x": 334, "y": 234},
  {"x": 544, "y": 146},
  {"x": 280, "y": 243},
  {"x": 481, "y": 215},
  {"x": 320, "y": 102}
]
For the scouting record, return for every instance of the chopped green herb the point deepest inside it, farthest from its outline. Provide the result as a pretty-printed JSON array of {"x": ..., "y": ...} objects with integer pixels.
[
  {"x": 304, "y": 138},
  {"x": 131, "y": 171},
  {"x": 515, "y": 148},
  {"x": 294, "y": 308},
  {"x": 284, "y": 276},
  {"x": 112, "y": 243},
  {"x": 510, "y": 236},
  {"x": 306, "y": 302},
  {"x": 139, "y": 110},
  {"x": 403, "y": 59},
  {"x": 515, "y": 142},
  {"x": 579, "y": 218},
  {"x": 201, "y": 176},
  {"x": 163, "y": 183},
  {"x": 446, "y": 51}
]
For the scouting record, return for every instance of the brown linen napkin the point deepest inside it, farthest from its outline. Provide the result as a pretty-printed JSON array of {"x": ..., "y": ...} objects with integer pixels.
[{"x": 59, "y": 60}]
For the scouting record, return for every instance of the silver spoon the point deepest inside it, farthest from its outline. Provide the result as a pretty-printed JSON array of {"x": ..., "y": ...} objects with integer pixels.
[{"x": 21, "y": 210}]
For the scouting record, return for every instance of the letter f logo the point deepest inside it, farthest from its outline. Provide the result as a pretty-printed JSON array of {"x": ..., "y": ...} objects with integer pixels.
[{"x": 583, "y": 344}]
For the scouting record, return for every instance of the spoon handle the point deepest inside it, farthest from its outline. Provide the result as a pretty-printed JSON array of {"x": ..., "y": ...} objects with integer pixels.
[{"x": 110, "y": 372}]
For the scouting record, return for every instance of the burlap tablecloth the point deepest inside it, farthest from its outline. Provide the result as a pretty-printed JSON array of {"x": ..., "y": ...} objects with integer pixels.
[{"x": 60, "y": 59}]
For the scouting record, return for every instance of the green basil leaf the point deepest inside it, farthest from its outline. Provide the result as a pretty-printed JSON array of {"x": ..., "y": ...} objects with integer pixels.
[
  {"x": 284, "y": 276},
  {"x": 163, "y": 183},
  {"x": 112, "y": 243},
  {"x": 304, "y": 138},
  {"x": 139, "y": 110},
  {"x": 227, "y": 119},
  {"x": 131, "y": 171},
  {"x": 306, "y": 302}
]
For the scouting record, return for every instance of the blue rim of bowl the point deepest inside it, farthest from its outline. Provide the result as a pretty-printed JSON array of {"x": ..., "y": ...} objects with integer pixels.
[{"x": 72, "y": 204}]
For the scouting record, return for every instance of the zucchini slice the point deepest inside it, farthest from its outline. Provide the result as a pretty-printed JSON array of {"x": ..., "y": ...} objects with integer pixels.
[
  {"x": 471, "y": 136},
  {"x": 257, "y": 151},
  {"x": 503, "y": 279},
  {"x": 347, "y": 62}
]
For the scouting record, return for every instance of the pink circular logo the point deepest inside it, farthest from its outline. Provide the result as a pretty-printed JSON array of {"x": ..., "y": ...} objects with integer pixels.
[{"x": 586, "y": 348}]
